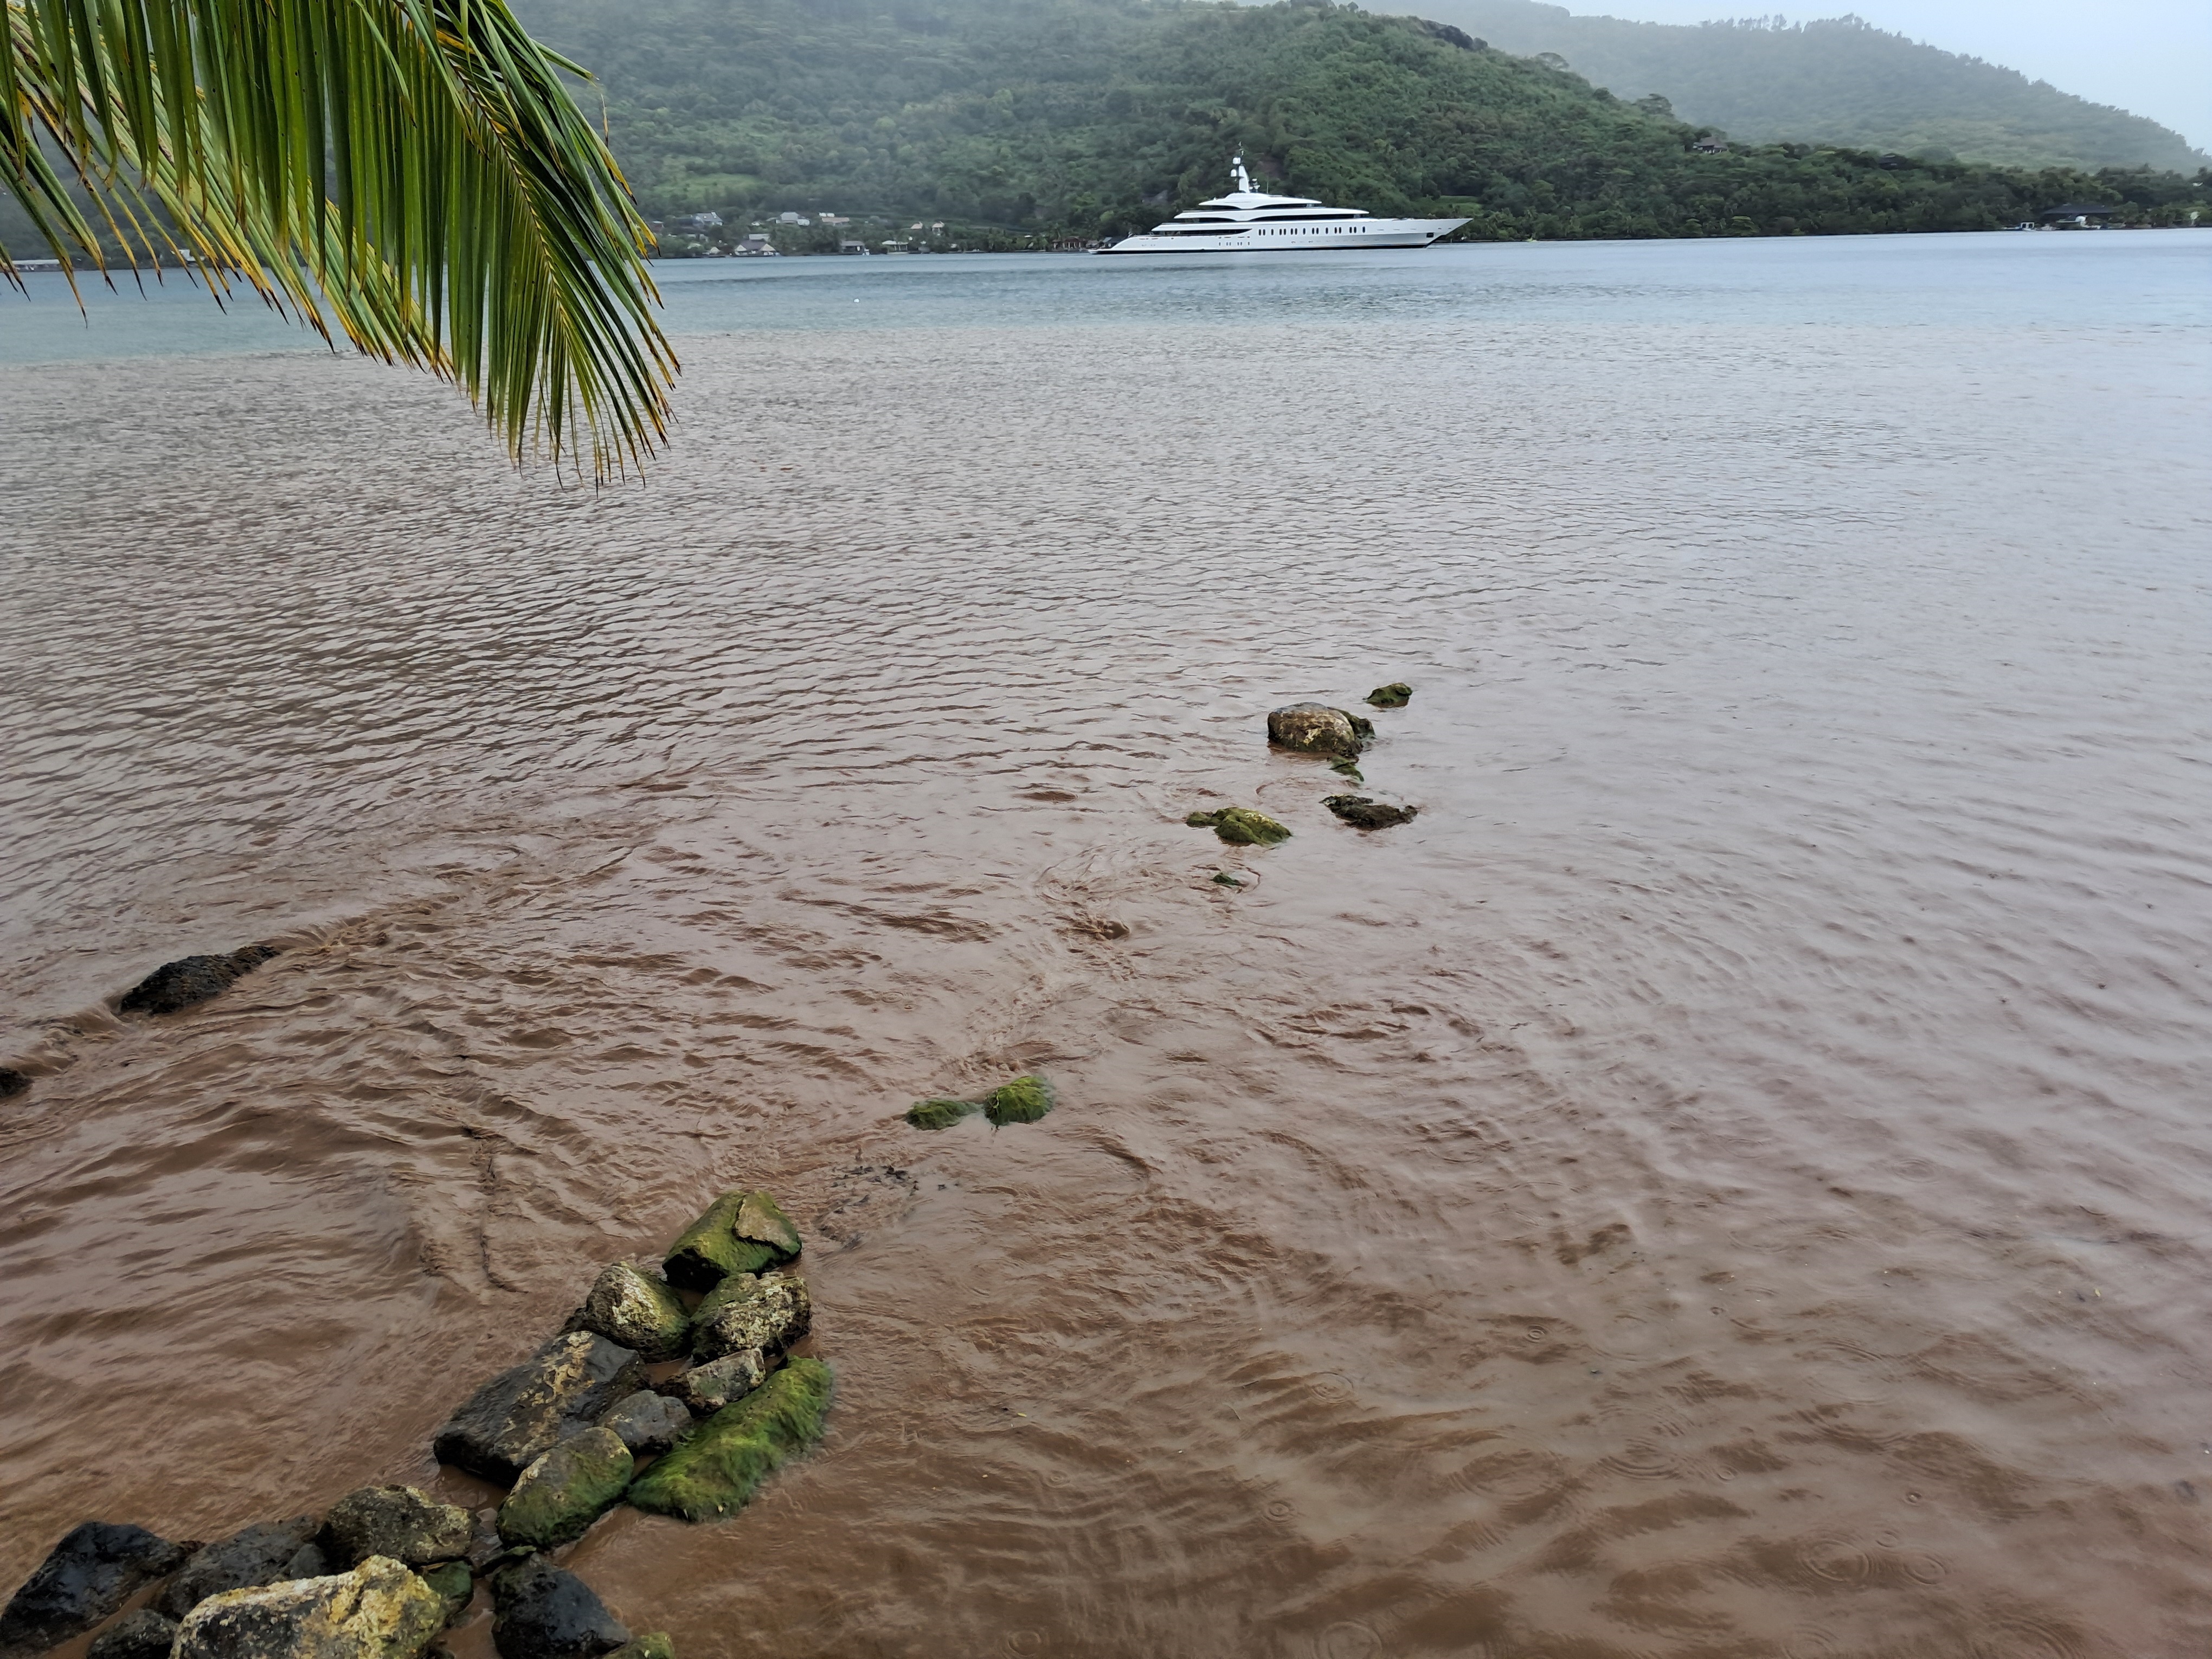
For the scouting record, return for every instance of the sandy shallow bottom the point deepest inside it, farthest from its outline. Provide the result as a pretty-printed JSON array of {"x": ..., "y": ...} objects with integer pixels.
[{"x": 1731, "y": 1178}]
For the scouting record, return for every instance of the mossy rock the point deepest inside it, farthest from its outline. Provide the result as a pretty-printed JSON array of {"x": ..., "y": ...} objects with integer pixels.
[
  {"x": 768, "y": 1313},
  {"x": 940, "y": 1113},
  {"x": 1241, "y": 826},
  {"x": 637, "y": 1309},
  {"x": 653, "y": 1644},
  {"x": 1363, "y": 813},
  {"x": 709, "y": 1250},
  {"x": 1396, "y": 695},
  {"x": 717, "y": 1469},
  {"x": 1024, "y": 1100},
  {"x": 557, "y": 1498},
  {"x": 453, "y": 1581}
]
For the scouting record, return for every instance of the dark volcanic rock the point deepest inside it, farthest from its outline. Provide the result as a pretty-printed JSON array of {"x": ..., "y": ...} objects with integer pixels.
[
  {"x": 260, "y": 1554},
  {"x": 144, "y": 1634},
  {"x": 12, "y": 1082},
  {"x": 1396, "y": 695},
  {"x": 539, "y": 1611},
  {"x": 188, "y": 980},
  {"x": 1315, "y": 728},
  {"x": 1363, "y": 813},
  {"x": 381, "y": 1610},
  {"x": 768, "y": 1313},
  {"x": 518, "y": 1416},
  {"x": 635, "y": 1308},
  {"x": 84, "y": 1578},
  {"x": 648, "y": 1422},
  {"x": 400, "y": 1521}
]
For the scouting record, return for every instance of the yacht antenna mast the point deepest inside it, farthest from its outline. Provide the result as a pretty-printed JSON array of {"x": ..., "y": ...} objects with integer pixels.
[{"x": 1244, "y": 178}]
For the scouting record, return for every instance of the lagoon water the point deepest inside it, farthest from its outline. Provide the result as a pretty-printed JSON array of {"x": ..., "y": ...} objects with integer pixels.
[{"x": 1733, "y": 1176}]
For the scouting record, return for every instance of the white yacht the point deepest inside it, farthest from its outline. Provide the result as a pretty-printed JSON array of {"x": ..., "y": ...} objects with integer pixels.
[{"x": 1246, "y": 220}]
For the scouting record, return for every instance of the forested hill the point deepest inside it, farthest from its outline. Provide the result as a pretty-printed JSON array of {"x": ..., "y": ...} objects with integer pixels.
[
  {"x": 1093, "y": 116},
  {"x": 1839, "y": 81}
]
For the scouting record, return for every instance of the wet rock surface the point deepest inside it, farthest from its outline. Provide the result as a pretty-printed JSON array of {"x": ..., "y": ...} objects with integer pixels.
[
  {"x": 1363, "y": 812},
  {"x": 1315, "y": 728},
  {"x": 761, "y": 1220},
  {"x": 709, "y": 1250},
  {"x": 541, "y": 1612},
  {"x": 653, "y": 1644},
  {"x": 1024, "y": 1100},
  {"x": 768, "y": 1313},
  {"x": 381, "y": 1610},
  {"x": 635, "y": 1308},
  {"x": 85, "y": 1578},
  {"x": 524, "y": 1411},
  {"x": 178, "y": 985},
  {"x": 144, "y": 1634},
  {"x": 1241, "y": 826},
  {"x": 719, "y": 1467},
  {"x": 1396, "y": 695},
  {"x": 400, "y": 1521},
  {"x": 259, "y": 1554},
  {"x": 647, "y": 1422},
  {"x": 708, "y": 1388},
  {"x": 940, "y": 1113},
  {"x": 558, "y": 1497}
]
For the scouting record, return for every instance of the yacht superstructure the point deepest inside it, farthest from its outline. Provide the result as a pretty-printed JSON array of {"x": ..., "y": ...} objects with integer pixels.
[{"x": 1246, "y": 221}]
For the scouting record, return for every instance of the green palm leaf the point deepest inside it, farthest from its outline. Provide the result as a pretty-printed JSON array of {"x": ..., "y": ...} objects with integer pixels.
[{"x": 413, "y": 173}]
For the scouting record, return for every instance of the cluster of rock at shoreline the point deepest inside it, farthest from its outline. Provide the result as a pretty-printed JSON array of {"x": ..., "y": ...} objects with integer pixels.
[
  {"x": 1316, "y": 728},
  {"x": 169, "y": 989},
  {"x": 1024, "y": 1100},
  {"x": 580, "y": 1425}
]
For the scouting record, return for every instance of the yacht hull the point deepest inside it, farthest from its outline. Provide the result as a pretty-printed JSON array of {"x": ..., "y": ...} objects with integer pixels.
[{"x": 1294, "y": 239}]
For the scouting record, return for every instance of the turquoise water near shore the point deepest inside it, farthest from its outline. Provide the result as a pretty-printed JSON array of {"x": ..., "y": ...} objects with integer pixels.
[{"x": 1729, "y": 1177}]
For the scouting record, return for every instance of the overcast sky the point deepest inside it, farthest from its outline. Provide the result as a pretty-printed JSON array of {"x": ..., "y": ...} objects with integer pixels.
[{"x": 2153, "y": 56}]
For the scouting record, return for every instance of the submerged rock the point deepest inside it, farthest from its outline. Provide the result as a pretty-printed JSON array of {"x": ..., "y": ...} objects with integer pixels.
[
  {"x": 768, "y": 1313},
  {"x": 648, "y": 1422},
  {"x": 719, "y": 1467},
  {"x": 400, "y": 1521},
  {"x": 84, "y": 1578},
  {"x": 1396, "y": 695},
  {"x": 635, "y": 1308},
  {"x": 653, "y": 1644},
  {"x": 13, "y": 1082},
  {"x": 144, "y": 1634},
  {"x": 188, "y": 980},
  {"x": 521, "y": 1414},
  {"x": 381, "y": 1610},
  {"x": 556, "y": 1498},
  {"x": 1024, "y": 1100},
  {"x": 706, "y": 1388},
  {"x": 1223, "y": 878},
  {"x": 540, "y": 1611},
  {"x": 255, "y": 1555},
  {"x": 1241, "y": 826},
  {"x": 941, "y": 1114},
  {"x": 1315, "y": 728},
  {"x": 709, "y": 1250},
  {"x": 1363, "y": 813}
]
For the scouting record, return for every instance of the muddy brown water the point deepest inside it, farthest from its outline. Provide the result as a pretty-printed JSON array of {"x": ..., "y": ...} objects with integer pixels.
[{"x": 1731, "y": 1178}]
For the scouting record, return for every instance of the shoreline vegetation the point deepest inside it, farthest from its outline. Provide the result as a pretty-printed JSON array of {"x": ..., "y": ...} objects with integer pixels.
[{"x": 978, "y": 125}]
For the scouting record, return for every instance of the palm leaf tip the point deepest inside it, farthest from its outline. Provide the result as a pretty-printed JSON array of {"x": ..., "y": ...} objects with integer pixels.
[{"x": 412, "y": 173}]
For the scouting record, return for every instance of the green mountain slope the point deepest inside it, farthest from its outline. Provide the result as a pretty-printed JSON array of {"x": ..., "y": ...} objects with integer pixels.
[
  {"x": 1839, "y": 81},
  {"x": 1099, "y": 115}
]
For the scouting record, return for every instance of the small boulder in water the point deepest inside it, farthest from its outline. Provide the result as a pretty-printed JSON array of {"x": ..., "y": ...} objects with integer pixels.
[
  {"x": 940, "y": 1113},
  {"x": 1241, "y": 826},
  {"x": 740, "y": 1233},
  {"x": 1363, "y": 813},
  {"x": 1396, "y": 695},
  {"x": 768, "y": 1313},
  {"x": 144, "y": 1634},
  {"x": 556, "y": 1498},
  {"x": 648, "y": 1422},
  {"x": 721, "y": 1464},
  {"x": 705, "y": 1389},
  {"x": 179, "y": 984},
  {"x": 1315, "y": 728},
  {"x": 541, "y": 1612},
  {"x": 84, "y": 1578},
  {"x": 1024, "y": 1100},
  {"x": 13, "y": 1082},
  {"x": 381, "y": 1610},
  {"x": 400, "y": 1521},
  {"x": 255, "y": 1555},
  {"x": 636, "y": 1310},
  {"x": 522, "y": 1413}
]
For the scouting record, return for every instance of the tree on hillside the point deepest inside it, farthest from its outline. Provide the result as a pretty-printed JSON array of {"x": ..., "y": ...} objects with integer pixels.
[{"x": 412, "y": 172}]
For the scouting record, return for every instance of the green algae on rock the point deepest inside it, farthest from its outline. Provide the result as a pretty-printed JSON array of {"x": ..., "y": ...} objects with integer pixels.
[
  {"x": 1024, "y": 1100},
  {"x": 1240, "y": 826},
  {"x": 761, "y": 1220},
  {"x": 1363, "y": 812},
  {"x": 768, "y": 1313},
  {"x": 557, "y": 1498},
  {"x": 452, "y": 1580},
  {"x": 634, "y": 1308},
  {"x": 381, "y": 1610},
  {"x": 1223, "y": 878},
  {"x": 1396, "y": 695},
  {"x": 653, "y": 1644},
  {"x": 709, "y": 1250},
  {"x": 718, "y": 1468},
  {"x": 940, "y": 1113}
]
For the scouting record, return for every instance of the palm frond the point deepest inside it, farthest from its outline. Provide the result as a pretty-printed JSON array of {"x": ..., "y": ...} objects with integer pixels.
[{"x": 414, "y": 173}]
